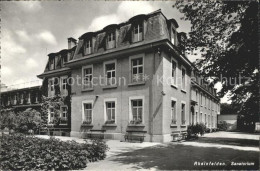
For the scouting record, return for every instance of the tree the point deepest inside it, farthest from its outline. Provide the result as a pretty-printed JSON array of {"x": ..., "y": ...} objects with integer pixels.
[
  {"x": 225, "y": 34},
  {"x": 29, "y": 119},
  {"x": 228, "y": 109}
]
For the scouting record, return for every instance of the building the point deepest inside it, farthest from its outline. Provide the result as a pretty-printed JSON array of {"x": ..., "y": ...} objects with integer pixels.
[
  {"x": 55, "y": 82},
  {"x": 133, "y": 76},
  {"x": 230, "y": 119},
  {"x": 21, "y": 99}
]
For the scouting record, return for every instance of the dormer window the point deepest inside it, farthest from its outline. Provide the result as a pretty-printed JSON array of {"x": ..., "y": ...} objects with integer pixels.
[
  {"x": 111, "y": 40},
  {"x": 138, "y": 33},
  {"x": 88, "y": 46},
  {"x": 173, "y": 36},
  {"x": 51, "y": 63}
]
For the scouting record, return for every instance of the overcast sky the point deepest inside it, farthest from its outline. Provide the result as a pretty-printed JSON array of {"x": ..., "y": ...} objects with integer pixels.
[{"x": 31, "y": 30}]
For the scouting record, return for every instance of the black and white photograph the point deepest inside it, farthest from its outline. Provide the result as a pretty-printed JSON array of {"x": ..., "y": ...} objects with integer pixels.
[{"x": 106, "y": 85}]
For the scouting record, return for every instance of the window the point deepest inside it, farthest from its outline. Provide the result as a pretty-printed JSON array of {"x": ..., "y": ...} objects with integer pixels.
[
  {"x": 205, "y": 101},
  {"x": 88, "y": 47},
  {"x": 15, "y": 99},
  {"x": 64, "y": 83},
  {"x": 111, "y": 40},
  {"x": 183, "y": 113},
  {"x": 196, "y": 117},
  {"x": 36, "y": 97},
  {"x": 65, "y": 112},
  {"x": 87, "y": 113},
  {"x": 51, "y": 64},
  {"x": 87, "y": 77},
  {"x": 209, "y": 103},
  {"x": 137, "y": 69},
  {"x": 209, "y": 120},
  {"x": 205, "y": 119},
  {"x": 197, "y": 96},
  {"x": 52, "y": 85},
  {"x": 51, "y": 117},
  {"x": 65, "y": 59},
  {"x": 200, "y": 116},
  {"x": 137, "y": 110},
  {"x": 21, "y": 98},
  {"x": 201, "y": 97},
  {"x": 173, "y": 112},
  {"x": 173, "y": 36},
  {"x": 111, "y": 111},
  {"x": 183, "y": 79},
  {"x": 110, "y": 73},
  {"x": 138, "y": 33},
  {"x": 174, "y": 72}
]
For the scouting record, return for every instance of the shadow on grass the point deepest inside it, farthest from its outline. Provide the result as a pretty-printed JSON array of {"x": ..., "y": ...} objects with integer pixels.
[
  {"x": 229, "y": 141},
  {"x": 177, "y": 156}
]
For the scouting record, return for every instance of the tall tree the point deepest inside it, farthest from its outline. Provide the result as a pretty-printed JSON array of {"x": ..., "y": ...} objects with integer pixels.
[{"x": 225, "y": 34}]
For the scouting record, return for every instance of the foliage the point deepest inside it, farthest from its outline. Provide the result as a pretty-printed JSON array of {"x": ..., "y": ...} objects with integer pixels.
[
  {"x": 30, "y": 153},
  {"x": 53, "y": 102},
  {"x": 223, "y": 126},
  {"x": 199, "y": 128},
  {"x": 226, "y": 108},
  {"x": 7, "y": 118},
  {"x": 29, "y": 119},
  {"x": 225, "y": 34}
]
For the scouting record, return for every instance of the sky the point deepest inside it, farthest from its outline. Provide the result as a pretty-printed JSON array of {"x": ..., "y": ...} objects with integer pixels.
[{"x": 30, "y": 30}]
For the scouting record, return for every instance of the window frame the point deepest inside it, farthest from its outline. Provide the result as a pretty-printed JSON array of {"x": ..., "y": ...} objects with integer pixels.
[
  {"x": 113, "y": 39},
  {"x": 138, "y": 34},
  {"x": 174, "y": 80},
  {"x": 183, "y": 120},
  {"x": 88, "y": 46},
  {"x": 135, "y": 57},
  {"x": 107, "y": 100},
  {"x": 185, "y": 79},
  {"x": 83, "y": 110},
  {"x": 105, "y": 71},
  {"x": 130, "y": 107},
  {"x": 83, "y": 77},
  {"x": 175, "y": 108}
]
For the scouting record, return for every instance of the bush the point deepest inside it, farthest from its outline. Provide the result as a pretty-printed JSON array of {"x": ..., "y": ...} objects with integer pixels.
[
  {"x": 194, "y": 130},
  {"x": 30, "y": 153},
  {"x": 223, "y": 126}
]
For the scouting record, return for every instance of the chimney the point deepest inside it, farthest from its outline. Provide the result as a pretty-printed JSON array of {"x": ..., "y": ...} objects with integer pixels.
[{"x": 71, "y": 42}]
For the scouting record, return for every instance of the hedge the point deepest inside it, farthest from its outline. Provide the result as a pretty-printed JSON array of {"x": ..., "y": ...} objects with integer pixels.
[{"x": 20, "y": 152}]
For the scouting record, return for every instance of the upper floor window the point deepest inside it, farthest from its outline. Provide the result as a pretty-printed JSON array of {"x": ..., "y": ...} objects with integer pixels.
[
  {"x": 173, "y": 36},
  {"x": 51, "y": 63},
  {"x": 65, "y": 59},
  {"x": 110, "y": 73},
  {"x": 64, "y": 83},
  {"x": 138, "y": 33},
  {"x": 174, "y": 72},
  {"x": 111, "y": 41},
  {"x": 87, "y": 75},
  {"x": 183, "y": 79},
  {"x": 88, "y": 46},
  {"x": 137, "y": 69}
]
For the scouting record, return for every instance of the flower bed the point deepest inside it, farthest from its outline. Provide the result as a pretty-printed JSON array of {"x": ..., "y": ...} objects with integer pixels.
[{"x": 30, "y": 153}]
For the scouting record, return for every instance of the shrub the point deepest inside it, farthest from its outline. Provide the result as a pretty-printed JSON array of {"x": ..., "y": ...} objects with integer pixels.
[
  {"x": 223, "y": 126},
  {"x": 194, "y": 130},
  {"x": 30, "y": 153}
]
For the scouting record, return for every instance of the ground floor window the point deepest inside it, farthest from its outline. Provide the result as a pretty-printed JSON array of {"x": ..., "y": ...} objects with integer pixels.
[
  {"x": 201, "y": 117},
  {"x": 137, "y": 110},
  {"x": 173, "y": 112},
  {"x": 51, "y": 116},
  {"x": 110, "y": 111},
  {"x": 64, "y": 117},
  {"x": 87, "y": 113},
  {"x": 183, "y": 113}
]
